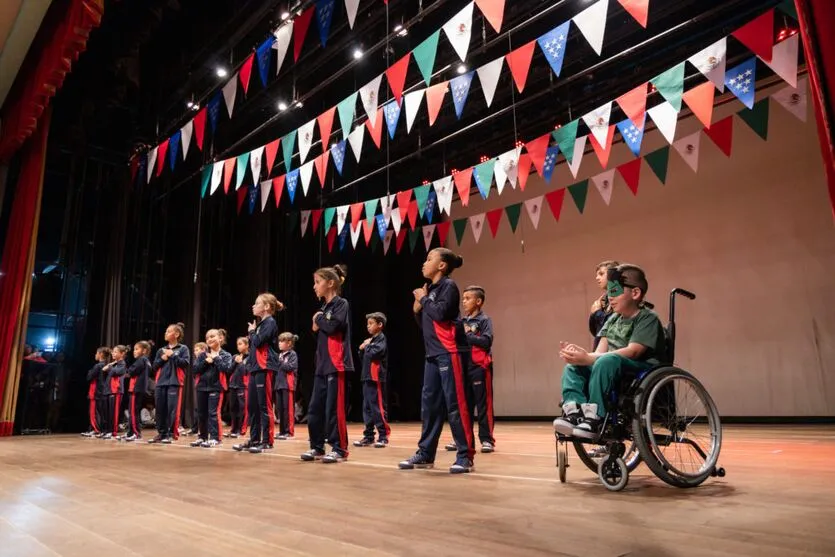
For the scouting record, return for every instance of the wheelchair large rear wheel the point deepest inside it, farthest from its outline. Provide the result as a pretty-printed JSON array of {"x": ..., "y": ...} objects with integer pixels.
[
  {"x": 677, "y": 427},
  {"x": 592, "y": 454}
]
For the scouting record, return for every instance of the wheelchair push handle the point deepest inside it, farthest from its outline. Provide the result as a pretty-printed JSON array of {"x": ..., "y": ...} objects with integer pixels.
[
  {"x": 686, "y": 293},
  {"x": 681, "y": 292}
]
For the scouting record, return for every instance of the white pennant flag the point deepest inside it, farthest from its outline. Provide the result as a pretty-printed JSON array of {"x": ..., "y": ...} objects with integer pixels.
[
  {"x": 352, "y": 6},
  {"x": 217, "y": 176},
  {"x": 396, "y": 221},
  {"x": 387, "y": 241},
  {"x": 488, "y": 75},
  {"x": 443, "y": 189},
  {"x": 428, "y": 232},
  {"x": 477, "y": 223},
  {"x": 230, "y": 91},
  {"x": 185, "y": 136},
  {"x": 152, "y": 162},
  {"x": 665, "y": 118},
  {"x": 356, "y": 228},
  {"x": 355, "y": 139},
  {"x": 688, "y": 148},
  {"x": 458, "y": 31},
  {"x": 598, "y": 122},
  {"x": 305, "y": 220},
  {"x": 784, "y": 60},
  {"x": 592, "y": 23},
  {"x": 306, "y": 171},
  {"x": 306, "y": 139},
  {"x": 266, "y": 186},
  {"x": 711, "y": 62},
  {"x": 579, "y": 148},
  {"x": 412, "y": 101},
  {"x": 255, "y": 158},
  {"x": 282, "y": 40},
  {"x": 604, "y": 182},
  {"x": 534, "y": 207},
  {"x": 793, "y": 99},
  {"x": 385, "y": 207},
  {"x": 369, "y": 95},
  {"x": 509, "y": 162},
  {"x": 341, "y": 214}
]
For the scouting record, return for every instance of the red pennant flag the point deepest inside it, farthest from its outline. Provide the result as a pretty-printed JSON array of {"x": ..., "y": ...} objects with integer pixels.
[
  {"x": 555, "y": 199},
  {"x": 246, "y": 72},
  {"x": 434, "y": 100},
  {"x": 463, "y": 179},
  {"x": 368, "y": 230},
  {"x": 758, "y": 35},
  {"x": 403, "y": 199},
  {"x": 537, "y": 148},
  {"x": 638, "y": 9},
  {"x": 700, "y": 101},
  {"x": 400, "y": 237},
  {"x": 325, "y": 121},
  {"x": 200, "y": 127},
  {"x": 376, "y": 131},
  {"x": 300, "y": 25},
  {"x": 523, "y": 169},
  {"x": 493, "y": 12},
  {"x": 316, "y": 215},
  {"x": 356, "y": 212},
  {"x": 519, "y": 62},
  {"x": 493, "y": 219},
  {"x": 228, "y": 169},
  {"x": 331, "y": 238},
  {"x": 161, "y": 159},
  {"x": 321, "y": 164},
  {"x": 722, "y": 134},
  {"x": 443, "y": 231},
  {"x": 634, "y": 104},
  {"x": 631, "y": 172},
  {"x": 271, "y": 149},
  {"x": 396, "y": 76},
  {"x": 278, "y": 189},
  {"x": 602, "y": 151},
  {"x": 134, "y": 166},
  {"x": 413, "y": 214},
  {"x": 241, "y": 194}
]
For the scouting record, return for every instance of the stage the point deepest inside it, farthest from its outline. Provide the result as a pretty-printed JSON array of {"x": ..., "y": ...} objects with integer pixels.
[{"x": 71, "y": 496}]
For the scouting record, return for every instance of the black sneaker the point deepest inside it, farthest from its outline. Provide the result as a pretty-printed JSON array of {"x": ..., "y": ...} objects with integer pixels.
[
  {"x": 242, "y": 446},
  {"x": 167, "y": 441},
  {"x": 156, "y": 439},
  {"x": 461, "y": 467},
  {"x": 197, "y": 442},
  {"x": 451, "y": 447},
  {"x": 364, "y": 442},
  {"x": 333, "y": 457},
  {"x": 571, "y": 417},
  {"x": 487, "y": 447},
  {"x": 589, "y": 428},
  {"x": 417, "y": 460},
  {"x": 256, "y": 449},
  {"x": 312, "y": 455},
  {"x": 381, "y": 444}
]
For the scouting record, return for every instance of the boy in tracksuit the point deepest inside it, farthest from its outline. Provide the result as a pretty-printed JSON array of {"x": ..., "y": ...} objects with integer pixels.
[
  {"x": 116, "y": 388},
  {"x": 479, "y": 330},
  {"x": 238, "y": 385},
  {"x": 285, "y": 386},
  {"x": 137, "y": 386},
  {"x": 170, "y": 365},
  {"x": 374, "y": 354},
  {"x": 95, "y": 378}
]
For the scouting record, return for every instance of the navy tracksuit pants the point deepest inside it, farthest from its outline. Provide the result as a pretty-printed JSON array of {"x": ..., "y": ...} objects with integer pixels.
[
  {"x": 261, "y": 417},
  {"x": 373, "y": 410},
  {"x": 168, "y": 400},
  {"x": 326, "y": 412}
]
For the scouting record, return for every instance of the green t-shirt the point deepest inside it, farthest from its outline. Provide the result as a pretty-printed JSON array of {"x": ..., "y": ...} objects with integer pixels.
[{"x": 644, "y": 328}]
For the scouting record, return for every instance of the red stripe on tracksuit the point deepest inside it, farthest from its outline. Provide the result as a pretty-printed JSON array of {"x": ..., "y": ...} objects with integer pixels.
[
  {"x": 93, "y": 423},
  {"x": 446, "y": 334},
  {"x": 382, "y": 410},
  {"x": 117, "y": 402},
  {"x": 175, "y": 428},
  {"x": 268, "y": 385},
  {"x": 291, "y": 404},
  {"x": 246, "y": 404},
  {"x": 219, "y": 421},
  {"x": 336, "y": 350}
]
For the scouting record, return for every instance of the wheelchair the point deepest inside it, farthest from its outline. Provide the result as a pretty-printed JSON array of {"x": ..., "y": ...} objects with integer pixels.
[{"x": 663, "y": 417}]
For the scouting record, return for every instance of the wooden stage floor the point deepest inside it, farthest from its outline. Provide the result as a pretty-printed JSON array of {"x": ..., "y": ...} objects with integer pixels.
[{"x": 71, "y": 496}]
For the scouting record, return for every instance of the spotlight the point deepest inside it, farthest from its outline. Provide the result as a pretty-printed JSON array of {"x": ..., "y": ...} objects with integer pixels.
[
  {"x": 403, "y": 32},
  {"x": 282, "y": 105},
  {"x": 190, "y": 104},
  {"x": 284, "y": 16},
  {"x": 357, "y": 54},
  {"x": 221, "y": 72},
  {"x": 397, "y": 28},
  {"x": 462, "y": 69},
  {"x": 299, "y": 104}
]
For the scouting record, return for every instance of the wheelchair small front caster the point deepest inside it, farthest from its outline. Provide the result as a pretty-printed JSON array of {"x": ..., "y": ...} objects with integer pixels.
[
  {"x": 562, "y": 459},
  {"x": 720, "y": 472},
  {"x": 613, "y": 473}
]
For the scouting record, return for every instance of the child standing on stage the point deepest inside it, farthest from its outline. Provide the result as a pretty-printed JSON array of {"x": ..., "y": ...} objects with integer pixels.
[
  {"x": 479, "y": 330},
  {"x": 170, "y": 367},
  {"x": 374, "y": 354},
  {"x": 137, "y": 386},
  {"x": 95, "y": 379},
  {"x": 212, "y": 367},
  {"x": 198, "y": 349},
  {"x": 238, "y": 385},
  {"x": 444, "y": 385},
  {"x": 116, "y": 388},
  {"x": 285, "y": 385},
  {"x": 263, "y": 365},
  {"x": 326, "y": 412}
]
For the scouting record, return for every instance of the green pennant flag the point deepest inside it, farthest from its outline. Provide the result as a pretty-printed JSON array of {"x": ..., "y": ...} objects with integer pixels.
[
  {"x": 346, "y": 110},
  {"x": 757, "y": 117},
  {"x": 671, "y": 85},
  {"x": 788, "y": 8},
  {"x": 424, "y": 54},
  {"x": 413, "y": 238},
  {"x": 288, "y": 142},
  {"x": 513, "y": 212},
  {"x": 243, "y": 164},
  {"x": 375, "y": 243},
  {"x": 460, "y": 227},
  {"x": 329, "y": 213},
  {"x": 657, "y": 161},
  {"x": 207, "y": 173},
  {"x": 292, "y": 222},
  {"x": 565, "y": 138},
  {"x": 579, "y": 192},
  {"x": 370, "y": 209},
  {"x": 483, "y": 174},
  {"x": 421, "y": 195}
]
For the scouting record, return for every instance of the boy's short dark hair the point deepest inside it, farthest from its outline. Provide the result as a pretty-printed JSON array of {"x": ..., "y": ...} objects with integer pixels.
[
  {"x": 478, "y": 291},
  {"x": 630, "y": 276},
  {"x": 378, "y": 316}
]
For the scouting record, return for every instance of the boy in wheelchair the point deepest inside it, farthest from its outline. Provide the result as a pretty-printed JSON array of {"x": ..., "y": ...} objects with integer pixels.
[{"x": 632, "y": 341}]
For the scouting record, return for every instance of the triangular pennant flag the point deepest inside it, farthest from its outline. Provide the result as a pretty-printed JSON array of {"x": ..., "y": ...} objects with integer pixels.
[
  {"x": 371, "y": 209},
  {"x": 458, "y": 31},
  {"x": 343, "y": 236},
  {"x": 579, "y": 192},
  {"x": 186, "y": 133},
  {"x": 711, "y": 62},
  {"x": 387, "y": 241},
  {"x": 428, "y": 233},
  {"x": 356, "y": 228},
  {"x": 536, "y": 148},
  {"x": 484, "y": 177},
  {"x": 321, "y": 164},
  {"x": 228, "y": 168},
  {"x": 413, "y": 214},
  {"x": 460, "y": 89},
  {"x": 292, "y": 183},
  {"x": 255, "y": 162},
  {"x": 174, "y": 148},
  {"x": 758, "y": 35},
  {"x": 552, "y": 45},
  {"x": 355, "y": 139},
  {"x": 722, "y": 134},
  {"x": 317, "y": 216},
  {"x": 421, "y": 195},
  {"x": 278, "y": 189},
  {"x": 493, "y": 12},
  {"x": 305, "y": 140},
  {"x": 270, "y": 152},
  {"x": 200, "y": 128},
  {"x": 282, "y": 41},
  {"x": 434, "y": 100},
  {"x": 367, "y": 230},
  {"x": 403, "y": 199},
  {"x": 246, "y": 72},
  {"x": 463, "y": 179},
  {"x": 631, "y": 172},
  {"x": 338, "y": 156},
  {"x": 566, "y": 136},
  {"x": 351, "y": 6},
  {"x": 604, "y": 183},
  {"x": 509, "y": 166},
  {"x": 391, "y": 110},
  {"x": 700, "y": 101},
  {"x": 658, "y": 160},
  {"x": 243, "y": 164},
  {"x": 634, "y": 104},
  {"x": 603, "y": 151},
  {"x": 331, "y": 236},
  {"x": 519, "y": 62},
  {"x": 396, "y": 76},
  {"x": 550, "y": 162},
  {"x": 414, "y": 234},
  {"x": 324, "y": 15},
  {"x": 265, "y": 189},
  {"x": 386, "y": 203},
  {"x": 598, "y": 122},
  {"x": 213, "y": 108},
  {"x": 329, "y": 214},
  {"x": 341, "y": 216},
  {"x": 793, "y": 99},
  {"x": 370, "y": 96},
  {"x": 443, "y": 231},
  {"x": 477, "y": 224},
  {"x": 592, "y": 23},
  {"x": 306, "y": 173},
  {"x": 431, "y": 202},
  {"x": 494, "y": 217},
  {"x": 671, "y": 85},
  {"x": 579, "y": 150},
  {"x": 325, "y": 121},
  {"x": 382, "y": 227},
  {"x": 300, "y": 26},
  {"x": 513, "y": 212},
  {"x": 230, "y": 91},
  {"x": 262, "y": 53},
  {"x": 356, "y": 211},
  {"x": 412, "y": 102},
  {"x": 217, "y": 175},
  {"x": 460, "y": 227},
  {"x": 204, "y": 180},
  {"x": 424, "y": 55},
  {"x": 400, "y": 236},
  {"x": 633, "y": 135},
  {"x": 288, "y": 142},
  {"x": 488, "y": 75},
  {"x": 555, "y": 199},
  {"x": 305, "y": 219},
  {"x": 741, "y": 80},
  {"x": 665, "y": 118},
  {"x": 346, "y": 110},
  {"x": 376, "y": 130},
  {"x": 253, "y": 191},
  {"x": 162, "y": 152},
  {"x": 534, "y": 208},
  {"x": 523, "y": 170},
  {"x": 784, "y": 59},
  {"x": 688, "y": 148},
  {"x": 639, "y": 9},
  {"x": 240, "y": 196}
]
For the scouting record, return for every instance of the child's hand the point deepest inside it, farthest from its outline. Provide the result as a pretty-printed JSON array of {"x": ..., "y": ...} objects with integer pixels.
[
  {"x": 239, "y": 358},
  {"x": 315, "y": 326},
  {"x": 416, "y": 307},
  {"x": 209, "y": 359},
  {"x": 575, "y": 355},
  {"x": 250, "y": 326},
  {"x": 365, "y": 344},
  {"x": 420, "y": 293}
]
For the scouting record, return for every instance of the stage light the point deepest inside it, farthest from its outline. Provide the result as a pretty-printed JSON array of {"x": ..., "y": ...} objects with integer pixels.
[
  {"x": 221, "y": 72},
  {"x": 400, "y": 30},
  {"x": 397, "y": 28},
  {"x": 462, "y": 69},
  {"x": 189, "y": 104},
  {"x": 284, "y": 16},
  {"x": 299, "y": 104},
  {"x": 282, "y": 105},
  {"x": 49, "y": 344},
  {"x": 357, "y": 54}
]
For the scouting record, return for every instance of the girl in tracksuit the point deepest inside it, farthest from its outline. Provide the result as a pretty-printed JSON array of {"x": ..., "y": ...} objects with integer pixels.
[
  {"x": 374, "y": 354},
  {"x": 169, "y": 367},
  {"x": 116, "y": 388},
  {"x": 212, "y": 367},
  {"x": 326, "y": 412},
  {"x": 197, "y": 350},
  {"x": 95, "y": 380},
  {"x": 263, "y": 365},
  {"x": 238, "y": 384},
  {"x": 285, "y": 385},
  {"x": 137, "y": 386},
  {"x": 444, "y": 385}
]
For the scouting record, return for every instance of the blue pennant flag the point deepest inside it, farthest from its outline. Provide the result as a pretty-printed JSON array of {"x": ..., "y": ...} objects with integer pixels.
[
  {"x": 550, "y": 162},
  {"x": 632, "y": 134},
  {"x": 214, "y": 110},
  {"x": 343, "y": 235},
  {"x": 142, "y": 173},
  {"x": 392, "y": 112},
  {"x": 254, "y": 190},
  {"x": 552, "y": 44},
  {"x": 324, "y": 14},
  {"x": 460, "y": 87},
  {"x": 431, "y": 201},
  {"x": 381, "y": 226},
  {"x": 338, "y": 155},
  {"x": 174, "y": 148},
  {"x": 263, "y": 57},
  {"x": 291, "y": 182},
  {"x": 741, "y": 80}
]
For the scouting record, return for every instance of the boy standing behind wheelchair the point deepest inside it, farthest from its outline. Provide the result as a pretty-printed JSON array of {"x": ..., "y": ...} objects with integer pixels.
[{"x": 632, "y": 340}]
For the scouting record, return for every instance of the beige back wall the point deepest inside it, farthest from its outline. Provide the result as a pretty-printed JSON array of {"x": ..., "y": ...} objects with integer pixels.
[{"x": 751, "y": 235}]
